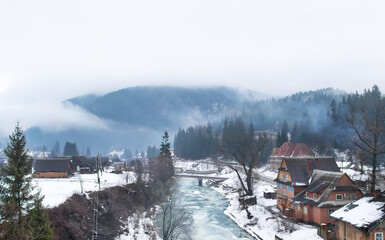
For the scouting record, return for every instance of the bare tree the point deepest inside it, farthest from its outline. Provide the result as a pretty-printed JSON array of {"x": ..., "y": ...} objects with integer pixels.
[
  {"x": 176, "y": 220},
  {"x": 366, "y": 117},
  {"x": 243, "y": 146}
]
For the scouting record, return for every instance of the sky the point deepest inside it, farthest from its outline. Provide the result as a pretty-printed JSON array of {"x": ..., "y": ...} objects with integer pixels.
[{"x": 54, "y": 50}]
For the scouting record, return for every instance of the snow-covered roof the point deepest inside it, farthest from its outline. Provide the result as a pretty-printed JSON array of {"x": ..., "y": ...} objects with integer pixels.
[
  {"x": 298, "y": 168},
  {"x": 323, "y": 183},
  {"x": 364, "y": 213}
]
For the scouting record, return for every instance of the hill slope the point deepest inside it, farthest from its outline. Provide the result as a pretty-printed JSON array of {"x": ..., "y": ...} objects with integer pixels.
[{"x": 137, "y": 117}]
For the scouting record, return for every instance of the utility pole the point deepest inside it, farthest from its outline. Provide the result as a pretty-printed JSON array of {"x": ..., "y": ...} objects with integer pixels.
[
  {"x": 95, "y": 217},
  {"x": 96, "y": 204},
  {"x": 98, "y": 163}
]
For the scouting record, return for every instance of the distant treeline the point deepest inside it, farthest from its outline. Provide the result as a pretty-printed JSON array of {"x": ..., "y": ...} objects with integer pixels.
[
  {"x": 317, "y": 118},
  {"x": 196, "y": 142}
]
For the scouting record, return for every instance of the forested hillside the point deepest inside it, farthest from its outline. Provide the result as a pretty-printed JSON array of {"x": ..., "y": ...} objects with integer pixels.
[
  {"x": 317, "y": 118},
  {"x": 163, "y": 107},
  {"x": 135, "y": 117}
]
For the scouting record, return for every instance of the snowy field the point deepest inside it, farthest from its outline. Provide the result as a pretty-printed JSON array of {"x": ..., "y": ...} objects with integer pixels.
[{"x": 57, "y": 190}]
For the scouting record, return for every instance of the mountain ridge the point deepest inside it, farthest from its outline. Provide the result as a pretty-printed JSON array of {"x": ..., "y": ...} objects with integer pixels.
[{"x": 138, "y": 116}]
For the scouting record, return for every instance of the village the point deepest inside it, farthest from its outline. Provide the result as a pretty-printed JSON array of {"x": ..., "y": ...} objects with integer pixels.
[
  {"x": 298, "y": 195},
  {"x": 304, "y": 196}
]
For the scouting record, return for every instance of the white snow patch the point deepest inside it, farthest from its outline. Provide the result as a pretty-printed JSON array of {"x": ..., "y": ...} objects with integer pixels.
[
  {"x": 138, "y": 228},
  {"x": 57, "y": 190},
  {"x": 361, "y": 212}
]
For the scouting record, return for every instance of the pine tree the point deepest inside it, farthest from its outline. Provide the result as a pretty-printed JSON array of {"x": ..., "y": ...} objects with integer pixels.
[
  {"x": 279, "y": 140},
  {"x": 333, "y": 111},
  {"x": 56, "y": 150},
  {"x": 40, "y": 226},
  {"x": 295, "y": 134},
  {"x": 70, "y": 149},
  {"x": 285, "y": 132},
  {"x": 88, "y": 152},
  {"x": 165, "y": 146},
  {"x": 162, "y": 167},
  {"x": 16, "y": 186},
  {"x": 283, "y": 136}
]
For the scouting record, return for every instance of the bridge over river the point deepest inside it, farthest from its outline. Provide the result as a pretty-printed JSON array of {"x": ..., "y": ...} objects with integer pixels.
[{"x": 200, "y": 175}]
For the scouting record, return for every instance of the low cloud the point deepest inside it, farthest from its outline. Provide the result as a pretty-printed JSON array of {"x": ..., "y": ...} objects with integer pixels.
[{"x": 48, "y": 116}]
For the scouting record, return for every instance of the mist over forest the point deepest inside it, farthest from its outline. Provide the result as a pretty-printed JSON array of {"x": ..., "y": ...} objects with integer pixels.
[{"x": 136, "y": 117}]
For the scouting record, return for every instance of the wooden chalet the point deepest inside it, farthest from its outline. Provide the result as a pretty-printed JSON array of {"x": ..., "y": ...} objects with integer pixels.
[
  {"x": 81, "y": 165},
  {"x": 327, "y": 192},
  {"x": 288, "y": 149},
  {"x": 293, "y": 177},
  {"x": 362, "y": 219},
  {"x": 52, "y": 168}
]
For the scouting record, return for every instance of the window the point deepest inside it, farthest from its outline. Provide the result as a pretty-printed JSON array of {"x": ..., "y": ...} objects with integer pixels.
[
  {"x": 331, "y": 210},
  {"x": 307, "y": 194},
  {"x": 315, "y": 195},
  {"x": 299, "y": 207},
  {"x": 339, "y": 196},
  {"x": 305, "y": 210},
  {"x": 378, "y": 236},
  {"x": 352, "y": 196},
  {"x": 288, "y": 188},
  {"x": 292, "y": 189}
]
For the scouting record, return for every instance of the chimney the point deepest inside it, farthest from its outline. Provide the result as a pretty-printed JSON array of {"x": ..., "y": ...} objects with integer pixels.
[{"x": 309, "y": 167}]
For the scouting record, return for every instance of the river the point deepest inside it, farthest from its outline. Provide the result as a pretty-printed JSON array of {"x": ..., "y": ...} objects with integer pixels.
[{"x": 207, "y": 207}]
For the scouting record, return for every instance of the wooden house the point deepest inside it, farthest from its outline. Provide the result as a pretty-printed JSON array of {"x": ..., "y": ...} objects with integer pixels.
[
  {"x": 293, "y": 177},
  {"x": 362, "y": 219},
  {"x": 327, "y": 192},
  {"x": 52, "y": 168},
  {"x": 288, "y": 149},
  {"x": 81, "y": 165}
]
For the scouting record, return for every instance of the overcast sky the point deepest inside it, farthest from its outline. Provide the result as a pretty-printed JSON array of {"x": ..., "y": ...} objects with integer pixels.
[{"x": 54, "y": 50}]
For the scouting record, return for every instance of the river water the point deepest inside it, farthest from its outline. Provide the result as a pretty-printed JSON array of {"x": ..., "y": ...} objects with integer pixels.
[{"x": 207, "y": 207}]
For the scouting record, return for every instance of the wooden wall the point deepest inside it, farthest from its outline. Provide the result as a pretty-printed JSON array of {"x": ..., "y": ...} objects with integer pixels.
[{"x": 50, "y": 175}]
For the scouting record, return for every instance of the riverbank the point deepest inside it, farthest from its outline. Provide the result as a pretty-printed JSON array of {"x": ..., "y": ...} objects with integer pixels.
[{"x": 267, "y": 221}]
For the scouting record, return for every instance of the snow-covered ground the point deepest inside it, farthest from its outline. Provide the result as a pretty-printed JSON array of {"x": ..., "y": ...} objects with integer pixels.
[
  {"x": 267, "y": 220},
  {"x": 57, "y": 190},
  {"x": 198, "y": 165},
  {"x": 138, "y": 228}
]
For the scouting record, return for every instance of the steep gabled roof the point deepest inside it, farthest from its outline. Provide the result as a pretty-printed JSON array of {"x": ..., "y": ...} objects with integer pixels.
[
  {"x": 365, "y": 213},
  {"x": 52, "y": 165},
  {"x": 80, "y": 161},
  {"x": 325, "y": 182},
  {"x": 293, "y": 149},
  {"x": 298, "y": 168}
]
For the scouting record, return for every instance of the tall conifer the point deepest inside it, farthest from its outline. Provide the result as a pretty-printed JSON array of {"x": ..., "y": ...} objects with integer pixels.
[
  {"x": 40, "y": 226},
  {"x": 16, "y": 186}
]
